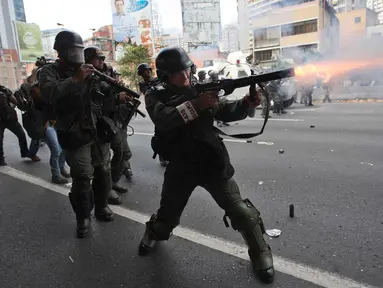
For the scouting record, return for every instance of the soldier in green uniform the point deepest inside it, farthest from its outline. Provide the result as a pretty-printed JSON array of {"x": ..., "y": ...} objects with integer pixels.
[
  {"x": 65, "y": 85},
  {"x": 185, "y": 135}
]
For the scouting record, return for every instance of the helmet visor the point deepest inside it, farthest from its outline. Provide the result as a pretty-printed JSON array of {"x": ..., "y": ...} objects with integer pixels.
[{"x": 75, "y": 55}]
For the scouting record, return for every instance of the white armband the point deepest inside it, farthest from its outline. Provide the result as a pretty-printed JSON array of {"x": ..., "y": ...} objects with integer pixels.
[{"x": 187, "y": 111}]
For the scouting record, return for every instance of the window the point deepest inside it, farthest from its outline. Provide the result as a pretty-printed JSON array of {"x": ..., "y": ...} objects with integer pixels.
[
  {"x": 299, "y": 28},
  {"x": 357, "y": 19},
  {"x": 263, "y": 55}
]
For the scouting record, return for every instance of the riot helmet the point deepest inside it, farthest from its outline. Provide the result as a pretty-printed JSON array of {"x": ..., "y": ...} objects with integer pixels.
[
  {"x": 142, "y": 67},
  {"x": 92, "y": 52},
  {"x": 69, "y": 46},
  {"x": 172, "y": 60}
]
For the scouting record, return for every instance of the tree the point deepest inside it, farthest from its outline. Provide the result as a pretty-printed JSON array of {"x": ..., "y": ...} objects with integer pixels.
[{"x": 133, "y": 56}]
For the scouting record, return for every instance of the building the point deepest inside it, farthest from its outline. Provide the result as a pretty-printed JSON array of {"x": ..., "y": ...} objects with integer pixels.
[
  {"x": 103, "y": 38},
  {"x": 373, "y": 31},
  {"x": 348, "y": 5},
  {"x": 354, "y": 25},
  {"x": 167, "y": 40},
  {"x": 377, "y": 7},
  {"x": 285, "y": 29},
  {"x": 230, "y": 39},
  {"x": 201, "y": 21},
  {"x": 243, "y": 24},
  {"x": 11, "y": 70},
  {"x": 48, "y": 40}
]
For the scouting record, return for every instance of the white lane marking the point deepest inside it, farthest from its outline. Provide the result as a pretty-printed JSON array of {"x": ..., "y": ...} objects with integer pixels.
[{"x": 289, "y": 267}]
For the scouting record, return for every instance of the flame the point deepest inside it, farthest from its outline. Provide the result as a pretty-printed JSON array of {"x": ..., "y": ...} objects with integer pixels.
[{"x": 328, "y": 69}]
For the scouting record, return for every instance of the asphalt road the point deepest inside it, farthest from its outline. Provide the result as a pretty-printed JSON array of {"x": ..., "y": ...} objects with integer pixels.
[{"x": 331, "y": 172}]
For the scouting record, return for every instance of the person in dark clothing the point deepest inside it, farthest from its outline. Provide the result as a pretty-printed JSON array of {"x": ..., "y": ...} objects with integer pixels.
[
  {"x": 193, "y": 73},
  {"x": 94, "y": 56},
  {"x": 326, "y": 87},
  {"x": 145, "y": 71},
  {"x": 68, "y": 85},
  {"x": 185, "y": 135},
  {"x": 9, "y": 120}
]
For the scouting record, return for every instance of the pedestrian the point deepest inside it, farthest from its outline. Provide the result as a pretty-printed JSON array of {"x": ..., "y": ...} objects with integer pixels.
[{"x": 198, "y": 157}]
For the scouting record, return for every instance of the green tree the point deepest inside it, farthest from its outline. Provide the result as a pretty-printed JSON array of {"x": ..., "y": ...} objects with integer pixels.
[{"x": 133, "y": 56}]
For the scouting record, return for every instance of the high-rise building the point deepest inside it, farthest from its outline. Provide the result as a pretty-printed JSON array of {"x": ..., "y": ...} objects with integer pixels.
[
  {"x": 243, "y": 24},
  {"x": 347, "y": 5},
  {"x": 201, "y": 20},
  {"x": 230, "y": 39},
  {"x": 290, "y": 29},
  {"x": 11, "y": 70},
  {"x": 376, "y": 6}
]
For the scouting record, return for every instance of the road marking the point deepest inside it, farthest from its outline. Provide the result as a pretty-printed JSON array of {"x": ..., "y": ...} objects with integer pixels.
[{"x": 283, "y": 265}]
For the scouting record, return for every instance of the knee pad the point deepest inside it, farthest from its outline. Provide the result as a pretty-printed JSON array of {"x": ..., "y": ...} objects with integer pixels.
[
  {"x": 159, "y": 230},
  {"x": 244, "y": 216}
]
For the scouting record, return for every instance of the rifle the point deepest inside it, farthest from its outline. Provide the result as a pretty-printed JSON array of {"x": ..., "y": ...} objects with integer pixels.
[
  {"x": 135, "y": 103},
  {"x": 229, "y": 85}
]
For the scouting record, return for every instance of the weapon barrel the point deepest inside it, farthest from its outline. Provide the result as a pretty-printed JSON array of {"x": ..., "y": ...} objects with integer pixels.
[
  {"x": 229, "y": 85},
  {"x": 113, "y": 82}
]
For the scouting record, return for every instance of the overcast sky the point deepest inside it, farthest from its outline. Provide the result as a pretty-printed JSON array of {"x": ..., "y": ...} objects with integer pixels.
[{"x": 83, "y": 15}]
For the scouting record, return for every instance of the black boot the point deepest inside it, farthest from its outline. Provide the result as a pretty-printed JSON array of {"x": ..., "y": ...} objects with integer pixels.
[
  {"x": 149, "y": 240},
  {"x": 104, "y": 214},
  {"x": 82, "y": 229},
  {"x": 118, "y": 188},
  {"x": 3, "y": 163},
  {"x": 113, "y": 198}
]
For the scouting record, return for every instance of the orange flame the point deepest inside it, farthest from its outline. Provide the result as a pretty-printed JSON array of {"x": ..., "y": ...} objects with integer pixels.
[{"x": 326, "y": 70}]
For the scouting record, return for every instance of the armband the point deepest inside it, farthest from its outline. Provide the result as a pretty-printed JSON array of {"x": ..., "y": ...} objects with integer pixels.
[{"x": 187, "y": 111}]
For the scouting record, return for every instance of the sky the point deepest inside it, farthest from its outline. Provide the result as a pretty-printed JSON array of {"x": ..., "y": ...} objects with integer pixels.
[{"x": 84, "y": 15}]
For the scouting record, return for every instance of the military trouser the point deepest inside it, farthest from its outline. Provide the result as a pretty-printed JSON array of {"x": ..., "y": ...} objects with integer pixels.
[
  {"x": 327, "y": 96},
  {"x": 278, "y": 103},
  {"x": 179, "y": 183},
  {"x": 121, "y": 154},
  {"x": 308, "y": 98},
  {"x": 88, "y": 162},
  {"x": 264, "y": 104}
]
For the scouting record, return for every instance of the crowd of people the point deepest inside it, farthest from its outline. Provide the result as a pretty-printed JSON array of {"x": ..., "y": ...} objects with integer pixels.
[{"x": 70, "y": 106}]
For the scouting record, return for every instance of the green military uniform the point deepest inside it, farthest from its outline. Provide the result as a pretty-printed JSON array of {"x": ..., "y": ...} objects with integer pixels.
[
  {"x": 85, "y": 153},
  {"x": 185, "y": 136}
]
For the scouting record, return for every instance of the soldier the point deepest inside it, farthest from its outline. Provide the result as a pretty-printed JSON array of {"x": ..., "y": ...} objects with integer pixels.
[
  {"x": 198, "y": 157},
  {"x": 326, "y": 87},
  {"x": 145, "y": 71},
  {"x": 307, "y": 93},
  {"x": 94, "y": 56},
  {"x": 201, "y": 76},
  {"x": 64, "y": 84},
  {"x": 274, "y": 90}
]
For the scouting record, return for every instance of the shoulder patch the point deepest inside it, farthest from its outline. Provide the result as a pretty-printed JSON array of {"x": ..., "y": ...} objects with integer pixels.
[{"x": 158, "y": 88}]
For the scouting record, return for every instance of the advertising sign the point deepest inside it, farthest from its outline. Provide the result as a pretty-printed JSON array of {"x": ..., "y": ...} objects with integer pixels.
[
  {"x": 29, "y": 38},
  {"x": 132, "y": 22}
]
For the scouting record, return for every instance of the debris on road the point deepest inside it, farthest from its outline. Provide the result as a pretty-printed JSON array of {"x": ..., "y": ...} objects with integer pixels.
[
  {"x": 70, "y": 258},
  {"x": 332, "y": 150},
  {"x": 281, "y": 151},
  {"x": 312, "y": 126},
  {"x": 291, "y": 210},
  {"x": 260, "y": 182},
  {"x": 273, "y": 232}
]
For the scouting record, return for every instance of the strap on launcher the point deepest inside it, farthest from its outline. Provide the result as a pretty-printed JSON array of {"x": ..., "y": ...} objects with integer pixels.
[{"x": 252, "y": 97}]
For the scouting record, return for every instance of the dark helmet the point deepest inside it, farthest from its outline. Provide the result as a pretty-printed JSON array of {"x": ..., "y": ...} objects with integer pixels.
[
  {"x": 142, "y": 67},
  {"x": 202, "y": 73},
  {"x": 92, "y": 52},
  {"x": 172, "y": 60},
  {"x": 69, "y": 46}
]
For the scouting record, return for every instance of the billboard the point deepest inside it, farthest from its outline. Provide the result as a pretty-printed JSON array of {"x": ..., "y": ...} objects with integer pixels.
[
  {"x": 19, "y": 10},
  {"x": 201, "y": 21},
  {"x": 29, "y": 38},
  {"x": 132, "y": 22}
]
